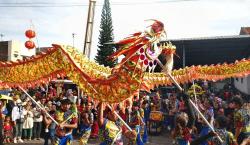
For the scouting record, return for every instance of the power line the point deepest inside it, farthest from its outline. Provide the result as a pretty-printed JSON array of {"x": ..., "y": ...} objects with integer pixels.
[{"x": 46, "y": 4}]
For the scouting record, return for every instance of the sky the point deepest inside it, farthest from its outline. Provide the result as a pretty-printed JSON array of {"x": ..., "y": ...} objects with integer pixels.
[{"x": 55, "y": 21}]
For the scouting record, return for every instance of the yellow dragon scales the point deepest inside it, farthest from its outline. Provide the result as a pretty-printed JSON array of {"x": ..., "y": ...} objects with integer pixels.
[{"x": 118, "y": 83}]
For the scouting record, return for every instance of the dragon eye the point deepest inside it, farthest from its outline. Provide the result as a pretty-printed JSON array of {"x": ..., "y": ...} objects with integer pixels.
[
  {"x": 142, "y": 57},
  {"x": 141, "y": 50},
  {"x": 150, "y": 63}
]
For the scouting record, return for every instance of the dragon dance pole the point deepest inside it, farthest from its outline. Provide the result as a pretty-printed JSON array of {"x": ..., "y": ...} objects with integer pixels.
[
  {"x": 39, "y": 105},
  {"x": 193, "y": 104},
  {"x": 195, "y": 97},
  {"x": 123, "y": 122}
]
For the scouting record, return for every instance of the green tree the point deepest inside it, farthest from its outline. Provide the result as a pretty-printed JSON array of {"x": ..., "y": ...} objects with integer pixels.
[{"x": 106, "y": 35}]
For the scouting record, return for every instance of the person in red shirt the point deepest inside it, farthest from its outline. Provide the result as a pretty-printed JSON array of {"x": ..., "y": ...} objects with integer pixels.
[{"x": 8, "y": 130}]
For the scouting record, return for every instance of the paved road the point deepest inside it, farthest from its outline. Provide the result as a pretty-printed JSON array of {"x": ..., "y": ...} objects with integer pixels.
[{"x": 163, "y": 139}]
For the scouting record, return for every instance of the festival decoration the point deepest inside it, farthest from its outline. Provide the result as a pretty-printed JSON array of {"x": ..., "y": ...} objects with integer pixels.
[
  {"x": 198, "y": 90},
  {"x": 156, "y": 116},
  {"x": 30, "y": 33},
  {"x": 5, "y": 97},
  {"x": 29, "y": 44},
  {"x": 121, "y": 82},
  {"x": 62, "y": 60}
]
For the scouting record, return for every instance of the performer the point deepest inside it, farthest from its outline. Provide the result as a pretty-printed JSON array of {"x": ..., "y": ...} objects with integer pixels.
[
  {"x": 111, "y": 130},
  {"x": 228, "y": 139},
  {"x": 67, "y": 122},
  {"x": 94, "y": 128},
  {"x": 241, "y": 120},
  {"x": 86, "y": 122},
  {"x": 209, "y": 115},
  {"x": 146, "y": 107},
  {"x": 184, "y": 125},
  {"x": 137, "y": 121}
]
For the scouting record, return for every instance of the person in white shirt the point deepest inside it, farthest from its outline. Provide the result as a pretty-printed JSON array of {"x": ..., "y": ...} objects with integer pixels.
[
  {"x": 28, "y": 122},
  {"x": 17, "y": 118},
  {"x": 38, "y": 119}
]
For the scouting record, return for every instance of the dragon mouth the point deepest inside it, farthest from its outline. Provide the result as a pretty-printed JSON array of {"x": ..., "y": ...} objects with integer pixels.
[
  {"x": 153, "y": 54},
  {"x": 168, "y": 48}
]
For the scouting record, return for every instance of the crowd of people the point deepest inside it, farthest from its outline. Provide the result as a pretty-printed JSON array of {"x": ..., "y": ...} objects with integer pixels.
[{"x": 63, "y": 115}]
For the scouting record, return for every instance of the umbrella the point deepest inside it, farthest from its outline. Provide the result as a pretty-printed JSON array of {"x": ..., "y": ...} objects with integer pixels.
[{"x": 5, "y": 97}]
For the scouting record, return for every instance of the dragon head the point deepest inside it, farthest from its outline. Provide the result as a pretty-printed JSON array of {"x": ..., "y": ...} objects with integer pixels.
[{"x": 141, "y": 49}]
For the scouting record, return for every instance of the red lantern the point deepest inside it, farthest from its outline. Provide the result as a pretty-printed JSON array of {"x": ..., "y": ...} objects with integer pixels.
[
  {"x": 30, "y": 33},
  {"x": 29, "y": 44}
]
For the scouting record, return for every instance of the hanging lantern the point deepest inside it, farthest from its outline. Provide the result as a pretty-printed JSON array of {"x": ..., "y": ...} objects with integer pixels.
[
  {"x": 30, "y": 33},
  {"x": 29, "y": 44}
]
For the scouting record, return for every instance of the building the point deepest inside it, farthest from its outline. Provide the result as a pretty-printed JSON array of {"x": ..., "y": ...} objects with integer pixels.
[
  {"x": 13, "y": 50},
  {"x": 243, "y": 84},
  {"x": 42, "y": 49},
  {"x": 215, "y": 50},
  {"x": 211, "y": 50}
]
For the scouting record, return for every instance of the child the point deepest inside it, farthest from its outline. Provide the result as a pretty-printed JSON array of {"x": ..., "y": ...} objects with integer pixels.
[{"x": 7, "y": 130}]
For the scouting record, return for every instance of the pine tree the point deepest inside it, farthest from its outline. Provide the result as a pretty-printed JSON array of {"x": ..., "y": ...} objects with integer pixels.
[{"x": 106, "y": 35}]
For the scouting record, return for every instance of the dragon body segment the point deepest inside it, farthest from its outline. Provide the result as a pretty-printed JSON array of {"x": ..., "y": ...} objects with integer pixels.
[{"x": 124, "y": 80}]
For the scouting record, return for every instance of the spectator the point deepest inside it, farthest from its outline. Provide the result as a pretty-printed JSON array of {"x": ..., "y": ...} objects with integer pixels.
[
  {"x": 241, "y": 120},
  {"x": 28, "y": 122},
  {"x": 8, "y": 130},
  {"x": 38, "y": 118},
  {"x": 49, "y": 126},
  {"x": 18, "y": 118}
]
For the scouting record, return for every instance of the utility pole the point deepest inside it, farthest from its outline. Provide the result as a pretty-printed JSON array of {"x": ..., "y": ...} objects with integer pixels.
[
  {"x": 89, "y": 28},
  {"x": 1, "y": 35},
  {"x": 73, "y": 36}
]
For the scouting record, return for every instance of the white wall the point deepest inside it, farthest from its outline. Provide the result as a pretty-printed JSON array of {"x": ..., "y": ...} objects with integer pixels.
[
  {"x": 17, "y": 47},
  {"x": 243, "y": 84},
  {"x": 14, "y": 48}
]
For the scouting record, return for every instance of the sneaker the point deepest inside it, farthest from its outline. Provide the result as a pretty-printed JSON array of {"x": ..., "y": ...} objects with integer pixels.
[
  {"x": 20, "y": 140},
  {"x": 15, "y": 141}
]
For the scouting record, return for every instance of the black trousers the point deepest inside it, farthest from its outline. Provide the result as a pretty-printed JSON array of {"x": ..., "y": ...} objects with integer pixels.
[{"x": 37, "y": 128}]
